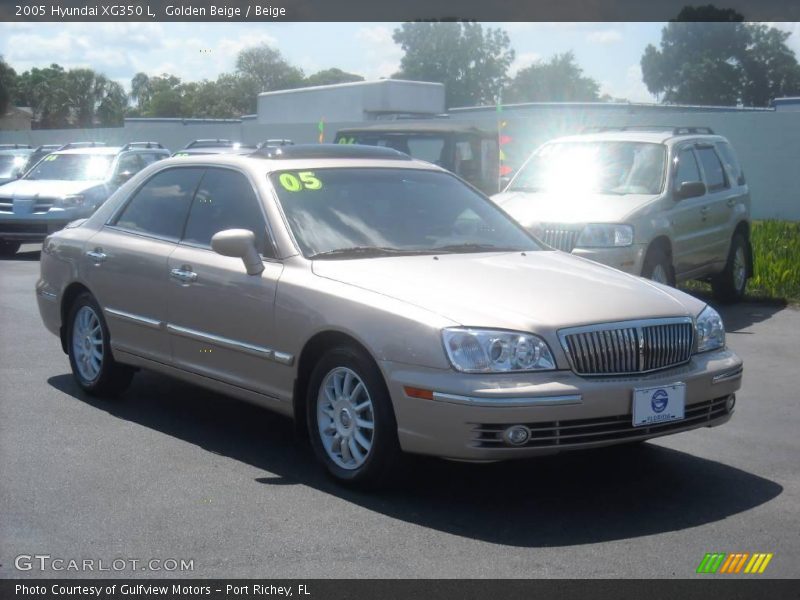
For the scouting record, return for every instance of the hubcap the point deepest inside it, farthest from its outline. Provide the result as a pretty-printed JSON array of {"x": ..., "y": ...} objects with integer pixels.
[
  {"x": 739, "y": 269},
  {"x": 345, "y": 418},
  {"x": 87, "y": 343},
  {"x": 660, "y": 275}
]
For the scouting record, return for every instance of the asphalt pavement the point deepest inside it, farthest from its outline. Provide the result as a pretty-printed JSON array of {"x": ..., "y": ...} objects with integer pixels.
[{"x": 171, "y": 471}]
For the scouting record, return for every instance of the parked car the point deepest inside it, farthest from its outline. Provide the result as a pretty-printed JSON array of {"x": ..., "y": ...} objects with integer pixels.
[
  {"x": 13, "y": 162},
  {"x": 669, "y": 204},
  {"x": 66, "y": 185},
  {"x": 215, "y": 146},
  {"x": 383, "y": 304},
  {"x": 41, "y": 151},
  {"x": 467, "y": 151}
]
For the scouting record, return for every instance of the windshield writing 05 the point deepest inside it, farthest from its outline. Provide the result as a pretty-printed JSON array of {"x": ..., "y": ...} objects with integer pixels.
[
  {"x": 358, "y": 212},
  {"x": 72, "y": 167},
  {"x": 606, "y": 167}
]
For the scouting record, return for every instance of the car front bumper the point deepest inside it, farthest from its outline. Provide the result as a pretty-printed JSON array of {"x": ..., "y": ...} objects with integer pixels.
[
  {"x": 563, "y": 411},
  {"x": 34, "y": 227},
  {"x": 629, "y": 258}
]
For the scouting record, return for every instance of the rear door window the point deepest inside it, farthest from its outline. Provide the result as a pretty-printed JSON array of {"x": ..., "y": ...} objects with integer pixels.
[
  {"x": 160, "y": 207},
  {"x": 731, "y": 162}
]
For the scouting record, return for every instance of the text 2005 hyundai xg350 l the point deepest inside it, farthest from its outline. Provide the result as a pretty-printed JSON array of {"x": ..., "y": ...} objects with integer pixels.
[{"x": 382, "y": 303}]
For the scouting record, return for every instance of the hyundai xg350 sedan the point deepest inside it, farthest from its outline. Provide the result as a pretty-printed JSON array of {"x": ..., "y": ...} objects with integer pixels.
[{"x": 382, "y": 303}]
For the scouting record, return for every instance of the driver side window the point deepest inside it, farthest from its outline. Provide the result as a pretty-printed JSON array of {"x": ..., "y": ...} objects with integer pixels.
[{"x": 687, "y": 167}]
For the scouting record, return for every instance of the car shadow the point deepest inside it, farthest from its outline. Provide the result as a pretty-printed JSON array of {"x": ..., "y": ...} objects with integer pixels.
[
  {"x": 23, "y": 255},
  {"x": 741, "y": 315},
  {"x": 573, "y": 498}
]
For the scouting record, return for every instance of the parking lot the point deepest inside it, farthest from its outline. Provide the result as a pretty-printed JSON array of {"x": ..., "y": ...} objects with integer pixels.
[{"x": 171, "y": 471}]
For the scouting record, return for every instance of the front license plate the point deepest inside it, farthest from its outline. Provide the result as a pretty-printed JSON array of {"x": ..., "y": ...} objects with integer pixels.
[{"x": 662, "y": 404}]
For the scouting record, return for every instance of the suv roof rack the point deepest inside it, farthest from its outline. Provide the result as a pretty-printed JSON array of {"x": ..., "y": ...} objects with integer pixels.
[
  {"x": 48, "y": 147},
  {"x": 330, "y": 151},
  {"x": 690, "y": 130},
  {"x": 130, "y": 145},
  {"x": 14, "y": 146},
  {"x": 210, "y": 143},
  {"x": 82, "y": 145},
  {"x": 276, "y": 142}
]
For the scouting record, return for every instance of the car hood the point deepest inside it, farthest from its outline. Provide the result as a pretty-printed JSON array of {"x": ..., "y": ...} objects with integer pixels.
[
  {"x": 25, "y": 188},
  {"x": 542, "y": 207},
  {"x": 539, "y": 290}
]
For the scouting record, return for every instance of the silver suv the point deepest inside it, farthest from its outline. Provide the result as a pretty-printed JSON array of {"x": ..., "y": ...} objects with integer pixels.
[
  {"x": 669, "y": 204},
  {"x": 66, "y": 185}
]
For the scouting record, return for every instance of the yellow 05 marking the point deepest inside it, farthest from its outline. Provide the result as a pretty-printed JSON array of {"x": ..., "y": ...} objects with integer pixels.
[{"x": 304, "y": 180}]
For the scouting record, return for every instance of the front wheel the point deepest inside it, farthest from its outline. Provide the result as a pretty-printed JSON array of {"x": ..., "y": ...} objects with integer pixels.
[
  {"x": 89, "y": 349},
  {"x": 658, "y": 267},
  {"x": 350, "y": 418},
  {"x": 729, "y": 286}
]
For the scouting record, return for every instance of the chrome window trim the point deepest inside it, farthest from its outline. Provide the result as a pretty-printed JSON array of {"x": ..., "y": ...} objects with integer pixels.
[
  {"x": 508, "y": 401},
  {"x": 637, "y": 324}
]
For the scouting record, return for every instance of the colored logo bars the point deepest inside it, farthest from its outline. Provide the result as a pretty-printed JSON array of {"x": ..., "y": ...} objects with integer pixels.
[{"x": 737, "y": 562}]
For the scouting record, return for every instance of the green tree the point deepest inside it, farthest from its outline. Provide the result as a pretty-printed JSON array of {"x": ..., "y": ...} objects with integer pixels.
[
  {"x": 111, "y": 110},
  {"x": 263, "y": 69},
  {"x": 141, "y": 91},
  {"x": 166, "y": 97},
  {"x": 558, "y": 80},
  {"x": 469, "y": 60},
  {"x": 331, "y": 76},
  {"x": 710, "y": 56},
  {"x": 8, "y": 85},
  {"x": 45, "y": 91}
]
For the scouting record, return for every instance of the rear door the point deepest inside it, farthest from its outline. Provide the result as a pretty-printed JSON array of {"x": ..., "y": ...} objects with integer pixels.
[
  {"x": 126, "y": 261},
  {"x": 220, "y": 318}
]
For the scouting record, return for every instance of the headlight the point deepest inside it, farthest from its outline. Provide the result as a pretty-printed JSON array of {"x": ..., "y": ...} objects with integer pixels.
[
  {"x": 600, "y": 235},
  {"x": 70, "y": 201},
  {"x": 489, "y": 351},
  {"x": 709, "y": 330}
]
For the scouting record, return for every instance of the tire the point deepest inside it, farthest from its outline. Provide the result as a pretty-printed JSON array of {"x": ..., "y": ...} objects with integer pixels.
[
  {"x": 658, "y": 266},
  {"x": 9, "y": 248},
  {"x": 96, "y": 372},
  {"x": 730, "y": 285},
  {"x": 345, "y": 390}
]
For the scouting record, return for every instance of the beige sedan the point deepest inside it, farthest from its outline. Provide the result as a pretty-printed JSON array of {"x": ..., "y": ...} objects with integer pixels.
[{"x": 383, "y": 304}]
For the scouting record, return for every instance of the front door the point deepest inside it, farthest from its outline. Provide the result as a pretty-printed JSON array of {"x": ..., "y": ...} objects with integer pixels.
[{"x": 687, "y": 216}]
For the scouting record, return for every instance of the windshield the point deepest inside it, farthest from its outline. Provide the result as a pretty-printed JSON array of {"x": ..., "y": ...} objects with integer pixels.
[
  {"x": 361, "y": 211},
  {"x": 599, "y": 167},
  {"x": 72, "y": 167},
  {"x": 10, "y": 164}
]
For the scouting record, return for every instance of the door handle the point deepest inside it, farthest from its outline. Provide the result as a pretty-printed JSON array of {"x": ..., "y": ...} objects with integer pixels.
[
  {"x": 184, "y": 274},
  {"x": 731, "y": 202},
  {"x": 97, "y": 255},
  {"x": 704, "y": 211}
]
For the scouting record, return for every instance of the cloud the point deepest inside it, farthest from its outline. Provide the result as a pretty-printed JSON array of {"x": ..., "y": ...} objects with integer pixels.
[
  {"x": 606, "y": 36},
  {"x": 522, "y": 61},
  {"x": 382, "y": 56},
  {"x": 632, "y": 88}
]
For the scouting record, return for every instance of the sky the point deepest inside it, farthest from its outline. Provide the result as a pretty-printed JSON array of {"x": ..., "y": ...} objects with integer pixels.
[{"x": 608, "y": 52}]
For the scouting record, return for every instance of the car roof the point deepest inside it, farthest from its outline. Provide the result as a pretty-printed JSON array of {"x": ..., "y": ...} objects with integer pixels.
[
  {"x": 401, "y": 127},
  {"x": 97, "y": 150},
  {"x": 16, "y": 151},
  {"x": 653, "y": 137}
]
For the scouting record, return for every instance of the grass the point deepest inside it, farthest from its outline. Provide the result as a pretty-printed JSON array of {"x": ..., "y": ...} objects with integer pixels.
[{"x": 776, "y": 262}]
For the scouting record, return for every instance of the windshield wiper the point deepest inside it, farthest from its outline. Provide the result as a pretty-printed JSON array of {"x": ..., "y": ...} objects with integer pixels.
[
  {"x": 365, "y": 251},
  {"x": 456, "y": 248}
]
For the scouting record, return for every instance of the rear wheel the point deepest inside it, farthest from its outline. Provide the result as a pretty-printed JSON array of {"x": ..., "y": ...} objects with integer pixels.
[
  {"x": 658, "y": 266},
  {"x": 730, "y": 285},
  {"x": 9, "y": 248},
  {"x": 350, "y": 418},
  {"x": 89, "y": 349}
]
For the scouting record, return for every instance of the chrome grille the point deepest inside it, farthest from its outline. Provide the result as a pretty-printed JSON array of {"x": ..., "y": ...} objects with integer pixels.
[
  {"x": 42, "y": 205},
  {"x": 6, "y": 205},
  {"x": 604, "y": 429},
  {"x": 629, "y": 347},
  {"x": 560, "y": 237}
]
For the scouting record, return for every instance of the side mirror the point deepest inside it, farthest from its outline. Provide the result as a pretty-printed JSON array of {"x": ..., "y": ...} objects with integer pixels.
[
  {"x": 124, "y": 176},
  {"x": 690, "y": 189},
  {"x": 239, "y": 243}
]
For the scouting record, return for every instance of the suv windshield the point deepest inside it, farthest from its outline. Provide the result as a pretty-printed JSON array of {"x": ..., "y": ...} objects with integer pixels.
[
  {"x": 358, "y": 212},
  {"x": 11, "y": 164},
  {"x": 609, "y": 167},
  {"x": 73, "y": 167}
]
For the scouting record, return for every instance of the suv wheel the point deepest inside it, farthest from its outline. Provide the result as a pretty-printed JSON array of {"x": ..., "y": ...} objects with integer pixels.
[
  {"x": 93, "y": 366},
  {"x": 9, "y": 248},
  {"x": 350, "y": 418},
  {"x": 658, "y": 266},
  {"x": 729, "y": 286}
]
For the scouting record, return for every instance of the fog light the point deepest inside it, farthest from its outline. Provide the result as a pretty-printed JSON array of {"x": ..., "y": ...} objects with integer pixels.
[
  {"x": 516, "y": 435},
  {"x": 730, "y": 403}
]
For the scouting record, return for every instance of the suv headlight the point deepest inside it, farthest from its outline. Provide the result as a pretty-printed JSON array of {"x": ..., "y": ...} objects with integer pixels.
[
  {"x": 601, "y": 235},
  {"x": 70, "y": 201},
  {"x": 710, "y": 330},
  {"x": 490, "y": 351}
]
